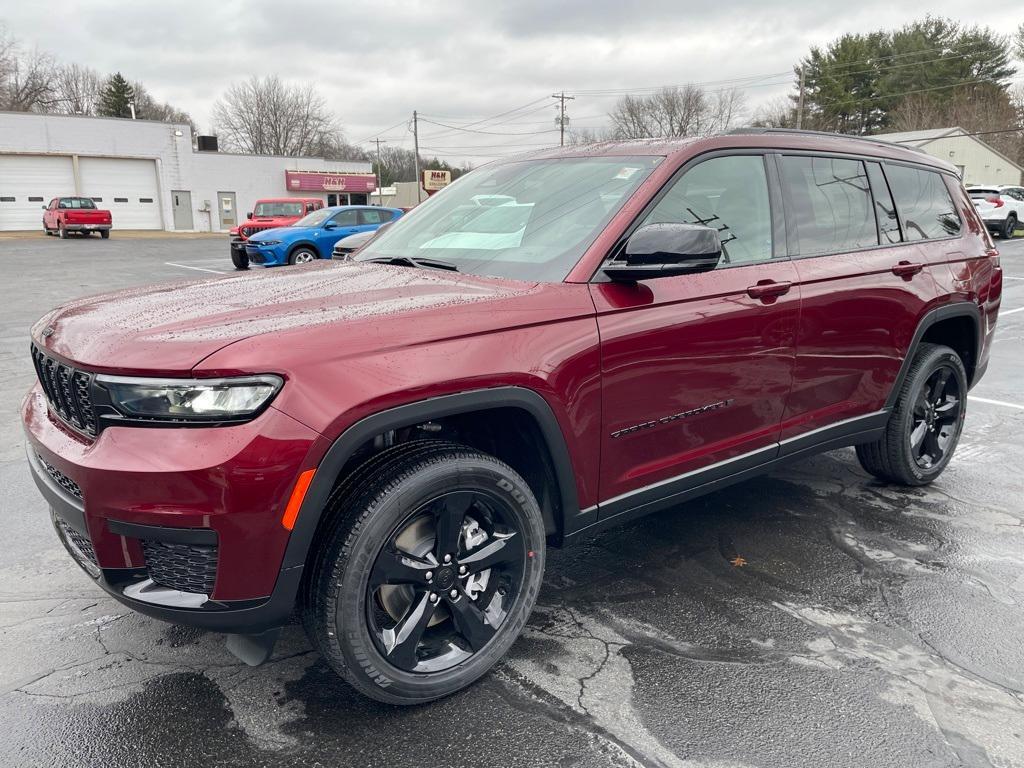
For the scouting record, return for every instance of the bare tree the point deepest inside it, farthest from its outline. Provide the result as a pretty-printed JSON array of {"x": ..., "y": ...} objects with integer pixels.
[
  {"x": 26, "y": 77},
  {"x": 776, "y": 113},
  {"x": 77, "y": 90},
  {"x": 148, "y": 108},
  {"x": 989, "y": 111},
  {"x": 686, "y": 111},
  {"x": 267, "y": 116}
]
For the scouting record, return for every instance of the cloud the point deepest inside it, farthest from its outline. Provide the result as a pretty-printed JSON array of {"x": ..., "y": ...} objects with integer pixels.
[{"x": 460, "y": 60}]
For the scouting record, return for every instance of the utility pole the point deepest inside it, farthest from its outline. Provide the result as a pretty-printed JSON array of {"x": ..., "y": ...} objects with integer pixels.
[
  {"x": 380, "y": 172},
  {"x": 416, "y": 144},
  {"x": 800, "y": 102},
  {"x": 561, "y": 121}
]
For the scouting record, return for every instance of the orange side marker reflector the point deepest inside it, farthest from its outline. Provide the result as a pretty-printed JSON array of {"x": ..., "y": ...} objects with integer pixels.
[{"x": 298, "y": 494}]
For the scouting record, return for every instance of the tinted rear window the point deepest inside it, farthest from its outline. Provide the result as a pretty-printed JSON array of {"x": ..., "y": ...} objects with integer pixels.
[
  {"x": 832, "y": 204},
  {"x": 924, "y": 203},
  {"x": 981, "y": 194}
]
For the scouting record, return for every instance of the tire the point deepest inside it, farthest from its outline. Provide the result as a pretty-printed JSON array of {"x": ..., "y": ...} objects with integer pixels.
[
  {"x": 105, "y": 234},
  {"x": 302, "y": 255},
  {"x": 61, "y": 232},
  {"x": 925, "y": 425},
  {"x": 1010, "y": 226},
  {"x": 46, "y": 231},
  {"x": 239, "y": 258},
  {"x": 352, "y": 613}
]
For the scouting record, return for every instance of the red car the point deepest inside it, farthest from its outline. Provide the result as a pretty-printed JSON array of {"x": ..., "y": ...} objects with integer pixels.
[
  {"x": 75, "y": 214},
  {"x": 268, "y": 214},
  {"x": 390, "y": 444}
]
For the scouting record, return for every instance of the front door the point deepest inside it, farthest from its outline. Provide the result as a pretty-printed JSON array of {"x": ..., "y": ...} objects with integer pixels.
[
  {"x": 696, "y": 369},
  {"x": 227, "y": 209},
  {"x": 181, "y": 208}
]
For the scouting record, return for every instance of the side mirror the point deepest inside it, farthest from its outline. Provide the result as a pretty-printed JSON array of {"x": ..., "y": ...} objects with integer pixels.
[
  {"x": 664, "y": 250},
  {"x": 43, "y": 207},
  {"x": 248, "y": 215},
  {"x": 330, "y": 225}
]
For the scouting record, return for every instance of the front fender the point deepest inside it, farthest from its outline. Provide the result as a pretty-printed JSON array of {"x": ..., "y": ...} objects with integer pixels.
[{"x": 410, "y": 414}]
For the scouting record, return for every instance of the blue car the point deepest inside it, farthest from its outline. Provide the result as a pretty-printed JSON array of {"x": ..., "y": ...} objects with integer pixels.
[{"x": 313, "y": 236}]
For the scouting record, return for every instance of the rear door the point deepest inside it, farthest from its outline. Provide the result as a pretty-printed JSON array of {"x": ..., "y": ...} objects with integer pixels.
[
  {"x": 696, "y": 369},
  {"x": 863, "y": 284}
]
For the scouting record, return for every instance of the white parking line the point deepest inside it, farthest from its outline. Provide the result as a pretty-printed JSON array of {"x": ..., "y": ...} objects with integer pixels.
[
  {"x": 1007, "y": 277},
  {"x": 1011, "y": 312},
  {"x": 198, "y": 269},
  {"x": 1003, "y": 403}
]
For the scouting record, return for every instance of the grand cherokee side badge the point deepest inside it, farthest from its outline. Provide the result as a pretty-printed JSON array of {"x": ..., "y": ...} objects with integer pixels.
[{"x": 674, "y": 417}]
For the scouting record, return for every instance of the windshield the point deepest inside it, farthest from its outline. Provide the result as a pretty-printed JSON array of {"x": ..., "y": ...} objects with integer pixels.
[
  {"x": 277, "y": 209},
  {"x": 528, "y": 220},
  {"x": 77, "y": 202},
  {"x": 315, "y": 219}
]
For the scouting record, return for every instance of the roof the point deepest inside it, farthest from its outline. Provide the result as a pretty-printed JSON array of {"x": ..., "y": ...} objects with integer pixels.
[
  {"x": 921, "y": 139},
  {"x": 767, "y": 138}
]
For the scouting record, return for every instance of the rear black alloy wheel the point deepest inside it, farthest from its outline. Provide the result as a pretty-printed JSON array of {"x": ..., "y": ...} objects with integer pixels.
[
  {"x": 926, "y": 420},
  {"x": 427, "y": 572},
  {"x": 935, "y": 421}
]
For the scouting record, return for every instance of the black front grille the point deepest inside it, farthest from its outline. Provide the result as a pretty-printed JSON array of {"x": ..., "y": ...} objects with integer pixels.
[
  {"x": 79, "y": 542},
  {"x": 256, "y": 257},
  {"x": 65, "y": 482},
  {"x": 67, "y": 390},
  {"x": 185, "y": 567}
]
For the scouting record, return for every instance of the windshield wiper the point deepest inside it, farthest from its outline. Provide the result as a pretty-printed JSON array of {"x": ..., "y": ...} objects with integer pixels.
[{"x": 409, "y": 261}]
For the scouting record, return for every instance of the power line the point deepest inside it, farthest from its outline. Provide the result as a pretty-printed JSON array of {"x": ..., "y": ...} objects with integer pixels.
[{"x": 476, "y": 130}]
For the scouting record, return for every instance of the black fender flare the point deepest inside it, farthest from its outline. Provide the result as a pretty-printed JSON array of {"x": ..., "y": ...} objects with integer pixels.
[
  {"x": 410, "y": 414},
  {"x": 957, "y": 309}
]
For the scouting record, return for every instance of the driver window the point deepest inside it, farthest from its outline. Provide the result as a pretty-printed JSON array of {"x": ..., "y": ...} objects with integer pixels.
[{"x": 729, "y": 194}]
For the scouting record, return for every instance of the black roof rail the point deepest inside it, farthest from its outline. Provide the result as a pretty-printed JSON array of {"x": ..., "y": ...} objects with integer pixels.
[{"x": 825, "y": 134}]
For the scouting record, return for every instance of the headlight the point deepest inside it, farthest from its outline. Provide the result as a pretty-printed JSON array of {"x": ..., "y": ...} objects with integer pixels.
[
  {"x": 268, "y": 242},
  {"x": 190, "y": 400}
]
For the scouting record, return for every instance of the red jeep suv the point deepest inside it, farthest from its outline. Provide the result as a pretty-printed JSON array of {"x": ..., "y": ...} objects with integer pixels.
[{"x": 554, "y": 344}]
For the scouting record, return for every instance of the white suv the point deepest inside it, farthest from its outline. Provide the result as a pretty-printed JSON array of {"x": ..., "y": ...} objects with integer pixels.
[{"x": 1001, "y": 207}]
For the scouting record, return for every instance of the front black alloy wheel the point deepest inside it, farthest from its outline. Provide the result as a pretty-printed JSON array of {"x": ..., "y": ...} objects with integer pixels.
[
  {"x": 442, "y": 585},
  {"x": 427, "y": 570},
  {"x": 925, "y": 424}
]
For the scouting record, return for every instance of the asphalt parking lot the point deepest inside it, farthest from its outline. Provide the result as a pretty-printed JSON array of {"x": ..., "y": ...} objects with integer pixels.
[{"x": 811, "y": 617}]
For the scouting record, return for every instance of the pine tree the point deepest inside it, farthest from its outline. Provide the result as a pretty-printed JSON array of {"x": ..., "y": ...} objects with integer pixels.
[{"x": 116, "y": 96}]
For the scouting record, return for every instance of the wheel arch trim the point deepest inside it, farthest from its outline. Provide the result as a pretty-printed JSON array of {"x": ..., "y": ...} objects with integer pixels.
[
  {"x": 947, "y": 311},
  {"x": 409, "y": 414}
]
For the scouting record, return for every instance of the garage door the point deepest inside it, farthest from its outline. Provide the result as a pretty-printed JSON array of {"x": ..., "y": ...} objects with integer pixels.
[
  {"x": 127, "y": 188},
  {"x": 27, "y": 183}
]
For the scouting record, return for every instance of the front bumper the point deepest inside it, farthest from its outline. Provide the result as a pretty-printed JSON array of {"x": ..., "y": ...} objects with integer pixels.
[
  {"x": 266, "y": 256},
  {"x": 115, "y": 504}
]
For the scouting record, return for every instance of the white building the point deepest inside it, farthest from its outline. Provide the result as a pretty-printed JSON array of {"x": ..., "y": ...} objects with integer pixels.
[
  {"x": 149, "y": 176},
  {"x": 977, "y": 162}
]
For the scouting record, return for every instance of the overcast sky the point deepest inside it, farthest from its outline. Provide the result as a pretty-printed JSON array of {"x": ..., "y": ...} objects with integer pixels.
[{"x": 456, "y": 61}]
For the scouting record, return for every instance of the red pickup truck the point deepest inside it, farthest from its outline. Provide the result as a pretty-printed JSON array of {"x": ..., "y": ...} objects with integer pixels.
[
  {"x": 75, "y": 214},
  {"x": 268, "y": 214}
]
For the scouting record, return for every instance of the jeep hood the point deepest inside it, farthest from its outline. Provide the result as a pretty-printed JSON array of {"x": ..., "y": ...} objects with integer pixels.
[{"x": 167, "y": 329}]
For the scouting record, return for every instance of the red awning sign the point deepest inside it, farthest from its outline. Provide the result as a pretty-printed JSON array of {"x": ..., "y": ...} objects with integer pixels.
[{"x": 324, "y": 181}]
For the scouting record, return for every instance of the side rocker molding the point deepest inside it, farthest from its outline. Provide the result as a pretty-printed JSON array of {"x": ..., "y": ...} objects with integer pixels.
[
  {"x": 415, "y": 413},
  {"x": 957, "y": 309}
]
